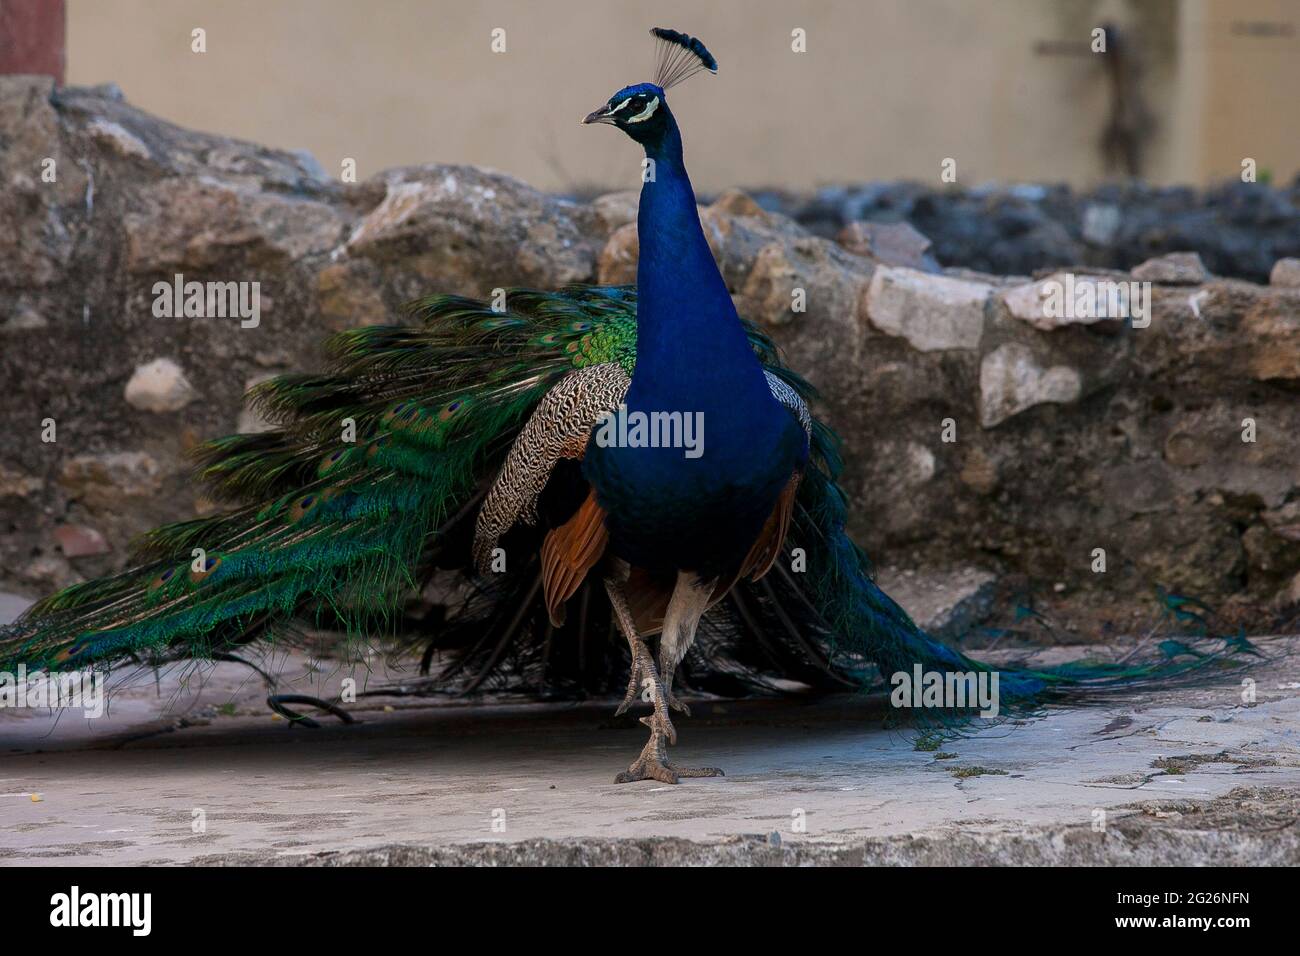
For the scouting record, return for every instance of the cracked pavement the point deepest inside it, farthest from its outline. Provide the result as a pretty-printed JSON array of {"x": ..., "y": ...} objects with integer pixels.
[{"x": 1178, "y": 776}]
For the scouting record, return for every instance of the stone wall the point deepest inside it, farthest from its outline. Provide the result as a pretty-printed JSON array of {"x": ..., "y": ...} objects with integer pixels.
[{"x": 1065, "y": 435}]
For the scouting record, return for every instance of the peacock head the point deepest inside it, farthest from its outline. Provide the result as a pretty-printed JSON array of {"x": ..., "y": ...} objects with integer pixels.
[{"x": 641, "y": 110}]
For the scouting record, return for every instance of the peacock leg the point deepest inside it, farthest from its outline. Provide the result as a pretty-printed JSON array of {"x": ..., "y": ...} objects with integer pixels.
[
  {"x": 652, "y": 763},
  {"x": 689, "y": 601},
  {"x": 643, "y": 666}
]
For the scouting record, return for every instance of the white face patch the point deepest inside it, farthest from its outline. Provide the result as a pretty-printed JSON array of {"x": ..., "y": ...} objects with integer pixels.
[
  {"x": 619, "y": 107},
  {"x": 646, "y": 113}
]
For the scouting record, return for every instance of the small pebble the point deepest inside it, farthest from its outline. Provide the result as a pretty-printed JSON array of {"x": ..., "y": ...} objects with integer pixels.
[{"x": 36, "y": 798}]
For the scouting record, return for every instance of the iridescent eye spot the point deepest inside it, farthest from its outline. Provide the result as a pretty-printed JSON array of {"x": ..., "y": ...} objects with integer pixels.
[
  {"x": 330, "y": 460},
  {"x": 162, "y": 579},
  {"x": 394, "y": 413},
  {"x": 302, "y": 507},
  {"x": 210, "y": 565},
  {"x": 70, "y": 652},
  {"x": 452, "y": 409}
]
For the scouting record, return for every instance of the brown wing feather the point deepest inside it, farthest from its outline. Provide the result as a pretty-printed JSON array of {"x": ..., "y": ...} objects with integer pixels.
[
  {"x": 767, "y": 547},
  {"x": 569, "y": 552}
]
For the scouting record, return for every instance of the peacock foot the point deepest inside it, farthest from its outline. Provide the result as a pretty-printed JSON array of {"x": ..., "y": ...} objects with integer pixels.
[{"x": 652, "y": 764}]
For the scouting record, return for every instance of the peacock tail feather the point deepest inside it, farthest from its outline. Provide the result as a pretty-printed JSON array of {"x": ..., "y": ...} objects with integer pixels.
[
  {"x": 339, "y": 508},
  {"x": 368, "y": 483}
]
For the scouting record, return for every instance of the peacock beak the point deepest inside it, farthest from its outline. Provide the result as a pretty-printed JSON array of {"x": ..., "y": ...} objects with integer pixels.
[{"x": 601, "y": 115}]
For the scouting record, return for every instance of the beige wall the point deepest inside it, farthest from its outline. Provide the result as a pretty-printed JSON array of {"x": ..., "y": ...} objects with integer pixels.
[{"x": 888, "y": 88}]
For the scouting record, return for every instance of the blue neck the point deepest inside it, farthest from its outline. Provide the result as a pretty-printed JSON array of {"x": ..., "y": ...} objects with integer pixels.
[{"x": 690, "y": 343}]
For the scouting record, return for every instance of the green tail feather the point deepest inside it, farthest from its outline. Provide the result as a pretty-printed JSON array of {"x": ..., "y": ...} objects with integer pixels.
[
  {"x": 343, "y": 509},
  {"x": 342, "y": 502}
]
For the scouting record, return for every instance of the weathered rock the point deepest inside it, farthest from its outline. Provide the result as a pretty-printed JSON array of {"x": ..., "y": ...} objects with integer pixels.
[
  {"x": 23, "y": 319},
  {"x": 79, "y": 541},
  {"x": 779, "y": 275},
  {"x": 1286, "y": 273},
  {"x": 933, "y": 313},
  {"x": 1186, "y": 447},
  {"x": 117, "y": 138},
  {"x": 478, "y": 230},
  {"x": 979, "y": 472},
  {"x": 1012, "y": 379},
  {"x": 617, "y": 262},
  {"x": 1176, "y": 268},
  {"x": 35, "y": 254},
  {"x": 947, "y": 603},
  {"x": 1238, "y": 229},
  {"x": 1289, "y": 596},
  {"x": 17, "y": 484},
  {"x": 100, "y": 481},
  {"x": 615, "y": 210},
  {"x": 1271, "y": 339},
  {"x": 251, "y": 420},
  {"x": 1063, "y": 299},
  {"x": 1269, "y": 554},
  {"x": 891, "y": 243},
  {"x": 350, "y": 293},
  {"x": 203, "y": 224},
  {"x": 159, "y": 386},
  {"x": 1284, "y": 521},
  {"x": 48, "y": 572},
  {"x": 1101, "y": 221},
  {"x": 1094, "y": 432}
]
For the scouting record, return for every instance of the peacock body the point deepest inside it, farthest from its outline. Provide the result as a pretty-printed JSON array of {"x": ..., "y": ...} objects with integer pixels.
[{"x": 474, "y": 442}]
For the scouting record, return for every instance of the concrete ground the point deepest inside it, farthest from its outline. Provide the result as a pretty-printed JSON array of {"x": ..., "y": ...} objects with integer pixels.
[{"x": 205, "y": 774}]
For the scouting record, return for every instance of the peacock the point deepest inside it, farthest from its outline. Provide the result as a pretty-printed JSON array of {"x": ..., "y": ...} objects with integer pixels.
[{"x": 587, "y": 471}]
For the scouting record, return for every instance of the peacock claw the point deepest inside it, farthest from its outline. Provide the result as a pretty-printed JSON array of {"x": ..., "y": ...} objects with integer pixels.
[
  {"x": 676, "y": 704},
  {"x": 640, "y": 656},
  {"x": 631, "y": 691},
  {"x": 652, "y": 764}
]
